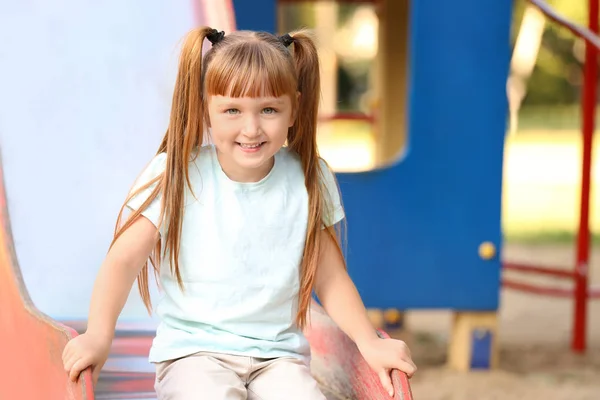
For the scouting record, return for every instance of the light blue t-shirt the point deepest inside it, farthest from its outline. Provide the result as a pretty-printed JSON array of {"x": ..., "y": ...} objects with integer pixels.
[{"x": 240, "y": 256}]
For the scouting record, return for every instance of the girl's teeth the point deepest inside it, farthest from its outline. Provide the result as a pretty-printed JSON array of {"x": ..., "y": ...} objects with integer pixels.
[{"x": 250, "y": 146}]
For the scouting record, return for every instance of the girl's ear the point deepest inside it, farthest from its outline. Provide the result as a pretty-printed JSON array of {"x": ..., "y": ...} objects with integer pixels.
[{"x": 295, "y": 112}]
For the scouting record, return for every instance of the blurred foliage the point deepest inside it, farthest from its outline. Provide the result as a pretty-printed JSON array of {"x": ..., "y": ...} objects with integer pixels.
[
  {"x": 295, "y": 16},
  {"x": 352, "y": 77},
  {"x": 346, "y": 11},
  {"x": 557, "y": 77}
]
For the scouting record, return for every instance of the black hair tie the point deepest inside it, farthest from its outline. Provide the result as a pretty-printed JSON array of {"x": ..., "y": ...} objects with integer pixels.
[
  {"x": 286, "y": 39},
  {"x": 214, "y": 36}
]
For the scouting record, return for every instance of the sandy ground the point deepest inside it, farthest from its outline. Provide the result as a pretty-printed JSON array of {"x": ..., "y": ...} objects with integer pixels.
[{"x": 535, "y": 359}]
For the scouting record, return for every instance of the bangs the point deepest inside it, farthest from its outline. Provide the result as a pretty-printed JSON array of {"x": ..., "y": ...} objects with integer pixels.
[{"x": 252, "y": 69}]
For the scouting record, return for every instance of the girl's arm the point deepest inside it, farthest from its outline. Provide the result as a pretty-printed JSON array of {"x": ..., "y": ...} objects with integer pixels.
[
  {"x": 117, "y": 274},
  {"x": 115, "y": 278},
  {"x": 339, "y": 296},
  {"x": 343, "y": 304}
]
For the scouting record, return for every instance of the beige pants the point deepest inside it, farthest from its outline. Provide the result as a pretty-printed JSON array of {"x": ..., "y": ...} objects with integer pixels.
[{"x": 214, "y": 376}]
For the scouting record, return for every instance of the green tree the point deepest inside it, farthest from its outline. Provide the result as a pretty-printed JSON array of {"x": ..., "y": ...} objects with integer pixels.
[{"x": 557, "y": 75}]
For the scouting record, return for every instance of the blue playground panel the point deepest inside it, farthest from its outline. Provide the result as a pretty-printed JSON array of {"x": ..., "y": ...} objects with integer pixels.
[{"x": 414, "y": 228}]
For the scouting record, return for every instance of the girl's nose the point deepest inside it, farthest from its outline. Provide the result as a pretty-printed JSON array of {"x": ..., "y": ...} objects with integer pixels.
[{"x": 251, "y": 127}]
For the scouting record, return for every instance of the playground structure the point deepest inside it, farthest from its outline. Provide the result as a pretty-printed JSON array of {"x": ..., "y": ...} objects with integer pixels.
[
  {"x": 434, "y": 233},
  {"x": 472, "y": 344},
  {"x": 582, "y": 292}
]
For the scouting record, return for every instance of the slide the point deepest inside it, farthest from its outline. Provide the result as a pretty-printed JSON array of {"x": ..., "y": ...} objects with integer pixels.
[{"x": 31, "y": 343}]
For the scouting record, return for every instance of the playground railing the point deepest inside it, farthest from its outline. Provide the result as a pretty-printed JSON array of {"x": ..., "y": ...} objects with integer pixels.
[{"x": 582, "y": 292}]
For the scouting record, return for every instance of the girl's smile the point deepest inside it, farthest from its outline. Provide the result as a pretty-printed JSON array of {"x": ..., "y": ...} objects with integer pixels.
[{"x": 251, "y": 147}]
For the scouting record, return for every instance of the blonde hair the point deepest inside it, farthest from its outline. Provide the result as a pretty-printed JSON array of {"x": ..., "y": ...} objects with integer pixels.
[{"x": 240, "y": 64}]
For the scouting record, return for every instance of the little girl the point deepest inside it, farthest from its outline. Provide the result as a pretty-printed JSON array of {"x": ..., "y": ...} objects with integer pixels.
[{"x": 240, "y": 232}]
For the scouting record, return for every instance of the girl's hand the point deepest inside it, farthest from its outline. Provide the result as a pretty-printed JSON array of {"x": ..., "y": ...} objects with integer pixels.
[
  {"x": 83, "y": 351},
  {"x": 383, "y": 355}
]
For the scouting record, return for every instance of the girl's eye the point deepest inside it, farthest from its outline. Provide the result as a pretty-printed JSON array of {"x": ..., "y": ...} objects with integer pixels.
[
  {"x": 269, "y": 110},
  {"x": 232, "y": 111}
]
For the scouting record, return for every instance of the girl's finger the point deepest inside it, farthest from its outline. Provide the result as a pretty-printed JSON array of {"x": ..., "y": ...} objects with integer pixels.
[
  {"x": 79, "y": 366},
  {"x": 386, "y": 381},
  {"x": 70, "y": 362},
  {"x": 408, "y": 367}
]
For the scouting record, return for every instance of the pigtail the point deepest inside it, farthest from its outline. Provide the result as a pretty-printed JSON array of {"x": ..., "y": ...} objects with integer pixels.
[
  {"x": 302, "y": 138},
  {"x": 184, "y": 134}
]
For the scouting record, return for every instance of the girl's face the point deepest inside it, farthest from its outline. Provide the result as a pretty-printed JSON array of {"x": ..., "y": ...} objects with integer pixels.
[{"x": 247, "y": 132}]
